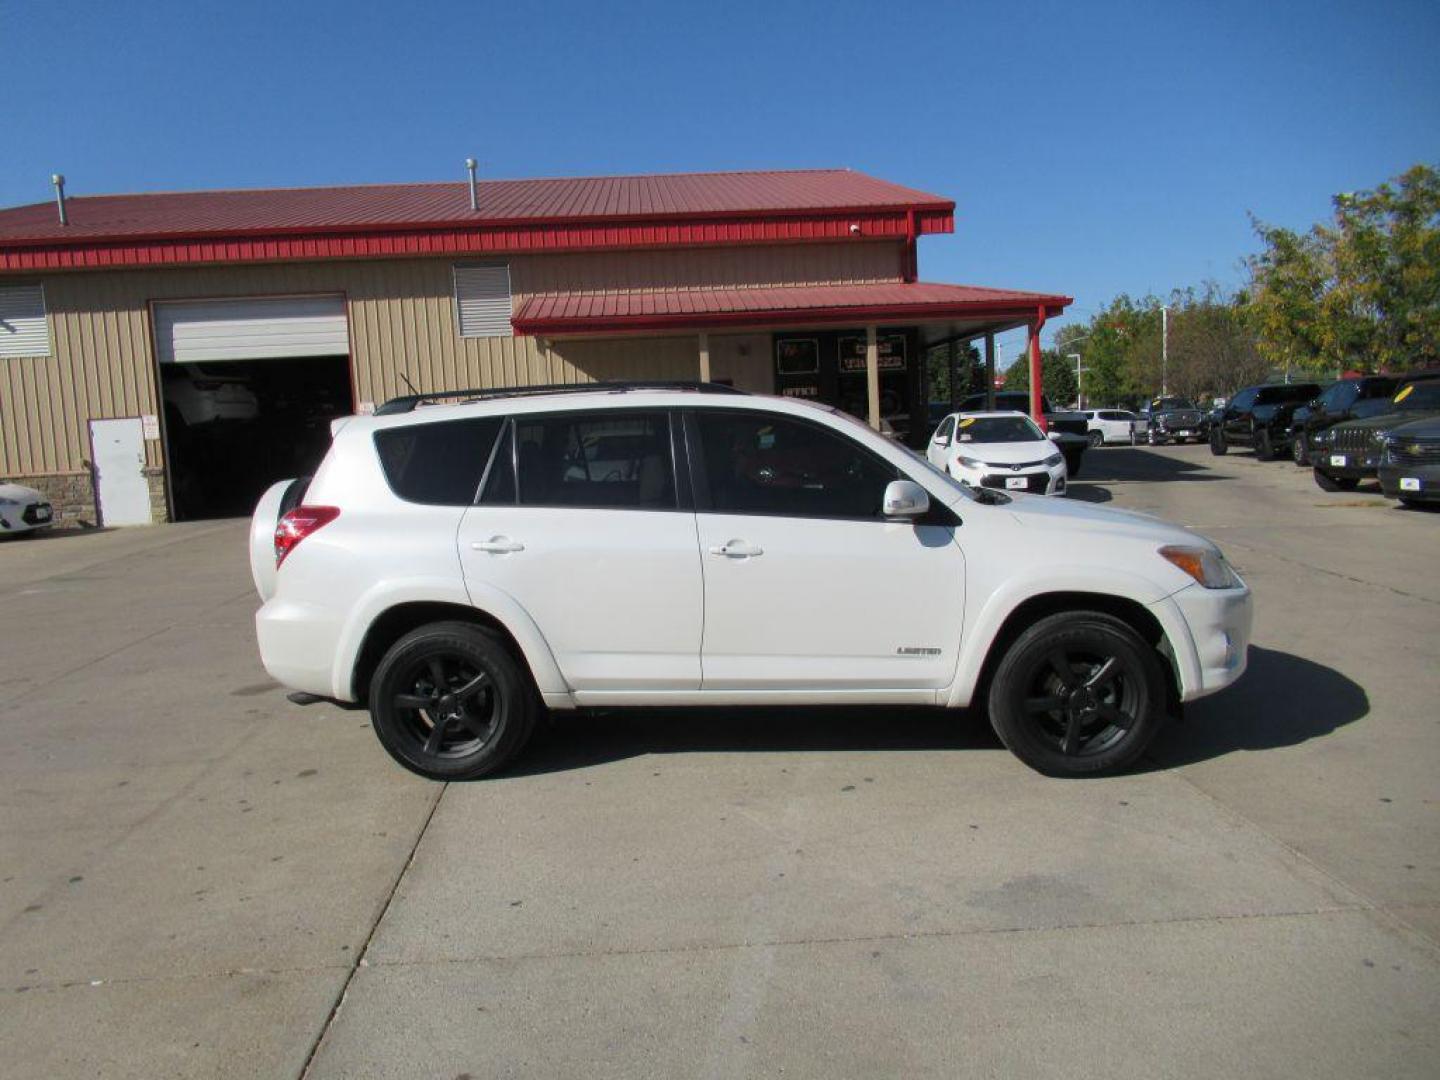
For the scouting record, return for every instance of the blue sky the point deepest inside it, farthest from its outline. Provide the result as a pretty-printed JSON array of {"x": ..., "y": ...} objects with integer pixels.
[{"x": 1092, "y": 148}]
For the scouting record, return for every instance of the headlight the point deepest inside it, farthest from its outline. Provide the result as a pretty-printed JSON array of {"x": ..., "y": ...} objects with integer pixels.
[
  {"x": 1053, "y": 460},
  {"x": 1322, "y": 438},
  {"x": 970, "y": 462},
  {"x": 1379, "y": 437},
  {"x": 1205, "y": 565}
]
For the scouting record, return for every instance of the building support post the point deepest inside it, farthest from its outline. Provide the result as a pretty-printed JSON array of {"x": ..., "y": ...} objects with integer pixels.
[
  {"x": 872, "y": 376},
  {"x": 704, "y": 356},
  {"x": 1036, "y": 388},
  {"x": 990, "y": 372}
]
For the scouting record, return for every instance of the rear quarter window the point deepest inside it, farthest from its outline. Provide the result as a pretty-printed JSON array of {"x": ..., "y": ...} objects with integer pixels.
[{"x": 439, "y": 464}]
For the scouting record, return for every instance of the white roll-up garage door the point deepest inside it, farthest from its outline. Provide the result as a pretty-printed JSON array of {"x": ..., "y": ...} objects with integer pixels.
[{"x": 251, "y": 329}]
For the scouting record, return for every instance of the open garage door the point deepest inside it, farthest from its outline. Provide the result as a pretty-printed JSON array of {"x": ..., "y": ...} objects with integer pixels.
[{"x": 250, "y": 386}]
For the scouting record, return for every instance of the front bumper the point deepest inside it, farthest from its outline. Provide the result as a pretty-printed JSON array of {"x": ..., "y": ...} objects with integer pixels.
[
  {"x": 1418, "y": 482},
  {"x": 27, "y": 518},
  {"x": 1209, "y": 635},
  {"x": 1351, "y": 464},
  {"x": 1049, "y": 481}
]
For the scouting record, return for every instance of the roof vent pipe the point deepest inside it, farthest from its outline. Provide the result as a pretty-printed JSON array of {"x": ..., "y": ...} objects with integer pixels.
[
  {"x": 58, "y": 180},
  {"x": 474, "y": 197}
]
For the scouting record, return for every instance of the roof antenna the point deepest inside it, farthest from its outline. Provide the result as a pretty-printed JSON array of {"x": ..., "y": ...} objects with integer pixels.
[
  {"x": 474, "y": 197},
  {"x": 58, "y": 179},
  {"x": 405, "y": 379}
]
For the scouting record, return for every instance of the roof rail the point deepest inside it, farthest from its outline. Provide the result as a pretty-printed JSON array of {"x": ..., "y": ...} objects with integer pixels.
[{"x": 408, "y": 402}]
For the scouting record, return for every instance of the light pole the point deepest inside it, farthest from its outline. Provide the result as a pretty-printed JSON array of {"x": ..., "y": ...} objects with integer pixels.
[
  {"x": 1164, "y": 349},
  {"x": 1079, "y": 385}
]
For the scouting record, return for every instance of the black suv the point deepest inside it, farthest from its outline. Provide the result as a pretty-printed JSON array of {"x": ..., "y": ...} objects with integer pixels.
[
  {"x": 1259, "y": 417},
  {"x": 1347, "y": 453},
  {"x": 1348, "y": 399},
  {"x": 1173, "y": 419}
]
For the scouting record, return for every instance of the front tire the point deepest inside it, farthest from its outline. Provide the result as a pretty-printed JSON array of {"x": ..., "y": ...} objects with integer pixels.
[
  {"x": 450, "y": 702},
  {"x": 1218, "y": 445},
  {"x": 1077, "y": 694},
  {"x": 1300, "y": 449},
  {"x": 1327, "y": 482},
  {"x": 1264, "y": 446}
]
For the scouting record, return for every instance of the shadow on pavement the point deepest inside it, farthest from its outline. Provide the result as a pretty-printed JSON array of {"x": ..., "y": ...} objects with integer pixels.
[
  {"x": 1088, "y": 493},
  {"x": 594, "y": 738},
  {"x": 1141, "y": 464},
  {"x": 1281, "y": 700}
]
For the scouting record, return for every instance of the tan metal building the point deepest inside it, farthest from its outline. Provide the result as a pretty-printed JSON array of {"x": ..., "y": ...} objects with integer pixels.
[{"x": 167, "y": 355}]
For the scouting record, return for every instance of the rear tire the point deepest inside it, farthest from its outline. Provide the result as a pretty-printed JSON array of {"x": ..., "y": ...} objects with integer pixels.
[
  {"x": 1335, "y": 483},
  {"x": 450, "y": 702},
  {"x": 1097, "y": 439},
  {"x": 1264, "y": 446},
  {"x": 1218, "y": 445},
  {"x": 1078, "y": 694}
]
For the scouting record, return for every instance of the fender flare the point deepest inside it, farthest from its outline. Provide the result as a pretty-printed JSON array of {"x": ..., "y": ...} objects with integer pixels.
[
  {"x": 497, "y": 604},
  {"x": 981, "y": 633}
]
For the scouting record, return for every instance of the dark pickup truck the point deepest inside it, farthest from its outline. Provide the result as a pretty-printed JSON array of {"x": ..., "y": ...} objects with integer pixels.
[
  {"x": 1259, "y": 417},
  {"x": 1352, "y": 398},
  {"x": 1173, "y": 419}
]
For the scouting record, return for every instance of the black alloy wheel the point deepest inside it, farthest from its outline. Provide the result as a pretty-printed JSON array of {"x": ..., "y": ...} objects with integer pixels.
[
  {"x": 450, "y": 702},
  {"x": 1079, "y": 693},
  {"x": 1097, "y": 439},
  {"x": 1300, "y": 449}
]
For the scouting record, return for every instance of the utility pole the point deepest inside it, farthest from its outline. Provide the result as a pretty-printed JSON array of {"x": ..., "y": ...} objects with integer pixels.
[
  {"x": 1164, "y": 349},
  {"x": 1079, "y": 386}
]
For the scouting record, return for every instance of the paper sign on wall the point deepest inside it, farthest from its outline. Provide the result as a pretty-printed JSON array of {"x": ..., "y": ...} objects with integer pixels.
[{"x": 150, "y": 426}]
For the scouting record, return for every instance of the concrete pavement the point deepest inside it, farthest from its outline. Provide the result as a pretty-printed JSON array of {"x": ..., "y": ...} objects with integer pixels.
[{"x": 200, "y": 879}]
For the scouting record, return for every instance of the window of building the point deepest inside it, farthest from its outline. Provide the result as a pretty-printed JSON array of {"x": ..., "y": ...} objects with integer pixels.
[
  {"x": 24, "y": 330},
  {"x": 612, "y": 459},
  {"x": 482, "y": 300},
  {"x": 762, "y": 464},
  {"x": 439, "y": 463}
]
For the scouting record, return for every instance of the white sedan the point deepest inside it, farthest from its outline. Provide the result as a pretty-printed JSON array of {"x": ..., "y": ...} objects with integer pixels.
[
  {"x": 23, "y": 510},
  {"x": 1003, "y": 450}
]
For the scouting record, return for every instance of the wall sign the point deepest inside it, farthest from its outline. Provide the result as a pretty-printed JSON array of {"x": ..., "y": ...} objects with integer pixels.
[
  {"x": 150, "y": 427},
  {"x": 890, "y": 349}
]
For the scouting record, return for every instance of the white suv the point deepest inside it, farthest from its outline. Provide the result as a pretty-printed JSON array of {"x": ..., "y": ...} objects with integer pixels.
[{"x": 458, "y": 567}]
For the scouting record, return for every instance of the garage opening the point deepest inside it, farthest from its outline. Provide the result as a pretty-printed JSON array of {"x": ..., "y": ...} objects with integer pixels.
[{"x": 249, "y": 389}]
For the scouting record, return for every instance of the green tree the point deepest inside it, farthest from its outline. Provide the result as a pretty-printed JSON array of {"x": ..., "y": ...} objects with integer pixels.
[
  {"x": 1362, "y": 290},
  {"x": 1057, "y": 376}
]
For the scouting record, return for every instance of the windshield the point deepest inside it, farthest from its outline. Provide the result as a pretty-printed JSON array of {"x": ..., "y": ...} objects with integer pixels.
[
  {"x": 996, "y": 429},
  {"x": 1165, "y": 404},
  {"x": 1419, "y": 395}
]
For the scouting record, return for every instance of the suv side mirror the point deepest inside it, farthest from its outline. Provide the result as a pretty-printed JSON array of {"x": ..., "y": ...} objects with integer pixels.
[{"x": 905, "y": 499}]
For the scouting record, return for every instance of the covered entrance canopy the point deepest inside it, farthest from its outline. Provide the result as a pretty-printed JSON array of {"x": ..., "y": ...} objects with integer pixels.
[{"x": 934, "y": 313}]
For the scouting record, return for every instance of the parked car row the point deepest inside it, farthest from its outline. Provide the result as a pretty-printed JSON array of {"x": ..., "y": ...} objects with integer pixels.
[{"x": 1354, "y": 429}]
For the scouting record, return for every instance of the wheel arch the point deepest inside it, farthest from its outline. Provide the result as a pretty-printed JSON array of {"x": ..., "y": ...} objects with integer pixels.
[
  {"x": 397, "y": 615},
  {"x": 1128, "y": 610}
]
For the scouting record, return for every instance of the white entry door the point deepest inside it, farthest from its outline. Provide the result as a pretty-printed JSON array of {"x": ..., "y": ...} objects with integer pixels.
[{"x": 121, "y": 490}]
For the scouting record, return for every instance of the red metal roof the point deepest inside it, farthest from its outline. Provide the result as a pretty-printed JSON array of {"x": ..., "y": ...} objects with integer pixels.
[
  {"x": 788, "y": 305},
  {"x": 286, "y": 211}
]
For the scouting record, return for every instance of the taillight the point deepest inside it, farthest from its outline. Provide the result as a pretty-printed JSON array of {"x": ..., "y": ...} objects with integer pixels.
[{"x": 299, "y": 523}]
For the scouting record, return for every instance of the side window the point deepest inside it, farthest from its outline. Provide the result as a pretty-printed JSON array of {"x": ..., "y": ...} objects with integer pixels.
[
  {"x": 1245, "y": 399},
  {"x": 1339, "y": 396},
  {"x": 765, "y": 464},
  {"x": 439, "y": 463},
  {"x": 611, "y": 459},
  {"x": 947, "y": 429}
]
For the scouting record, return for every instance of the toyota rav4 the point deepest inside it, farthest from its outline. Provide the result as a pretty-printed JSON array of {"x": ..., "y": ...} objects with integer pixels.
[{"x": 456, "y": 568}]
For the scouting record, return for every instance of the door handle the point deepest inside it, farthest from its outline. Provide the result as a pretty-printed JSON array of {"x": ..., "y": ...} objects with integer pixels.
[
  {"x": 498, "y": 545},
  {"x": 737, "y": 549}
]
